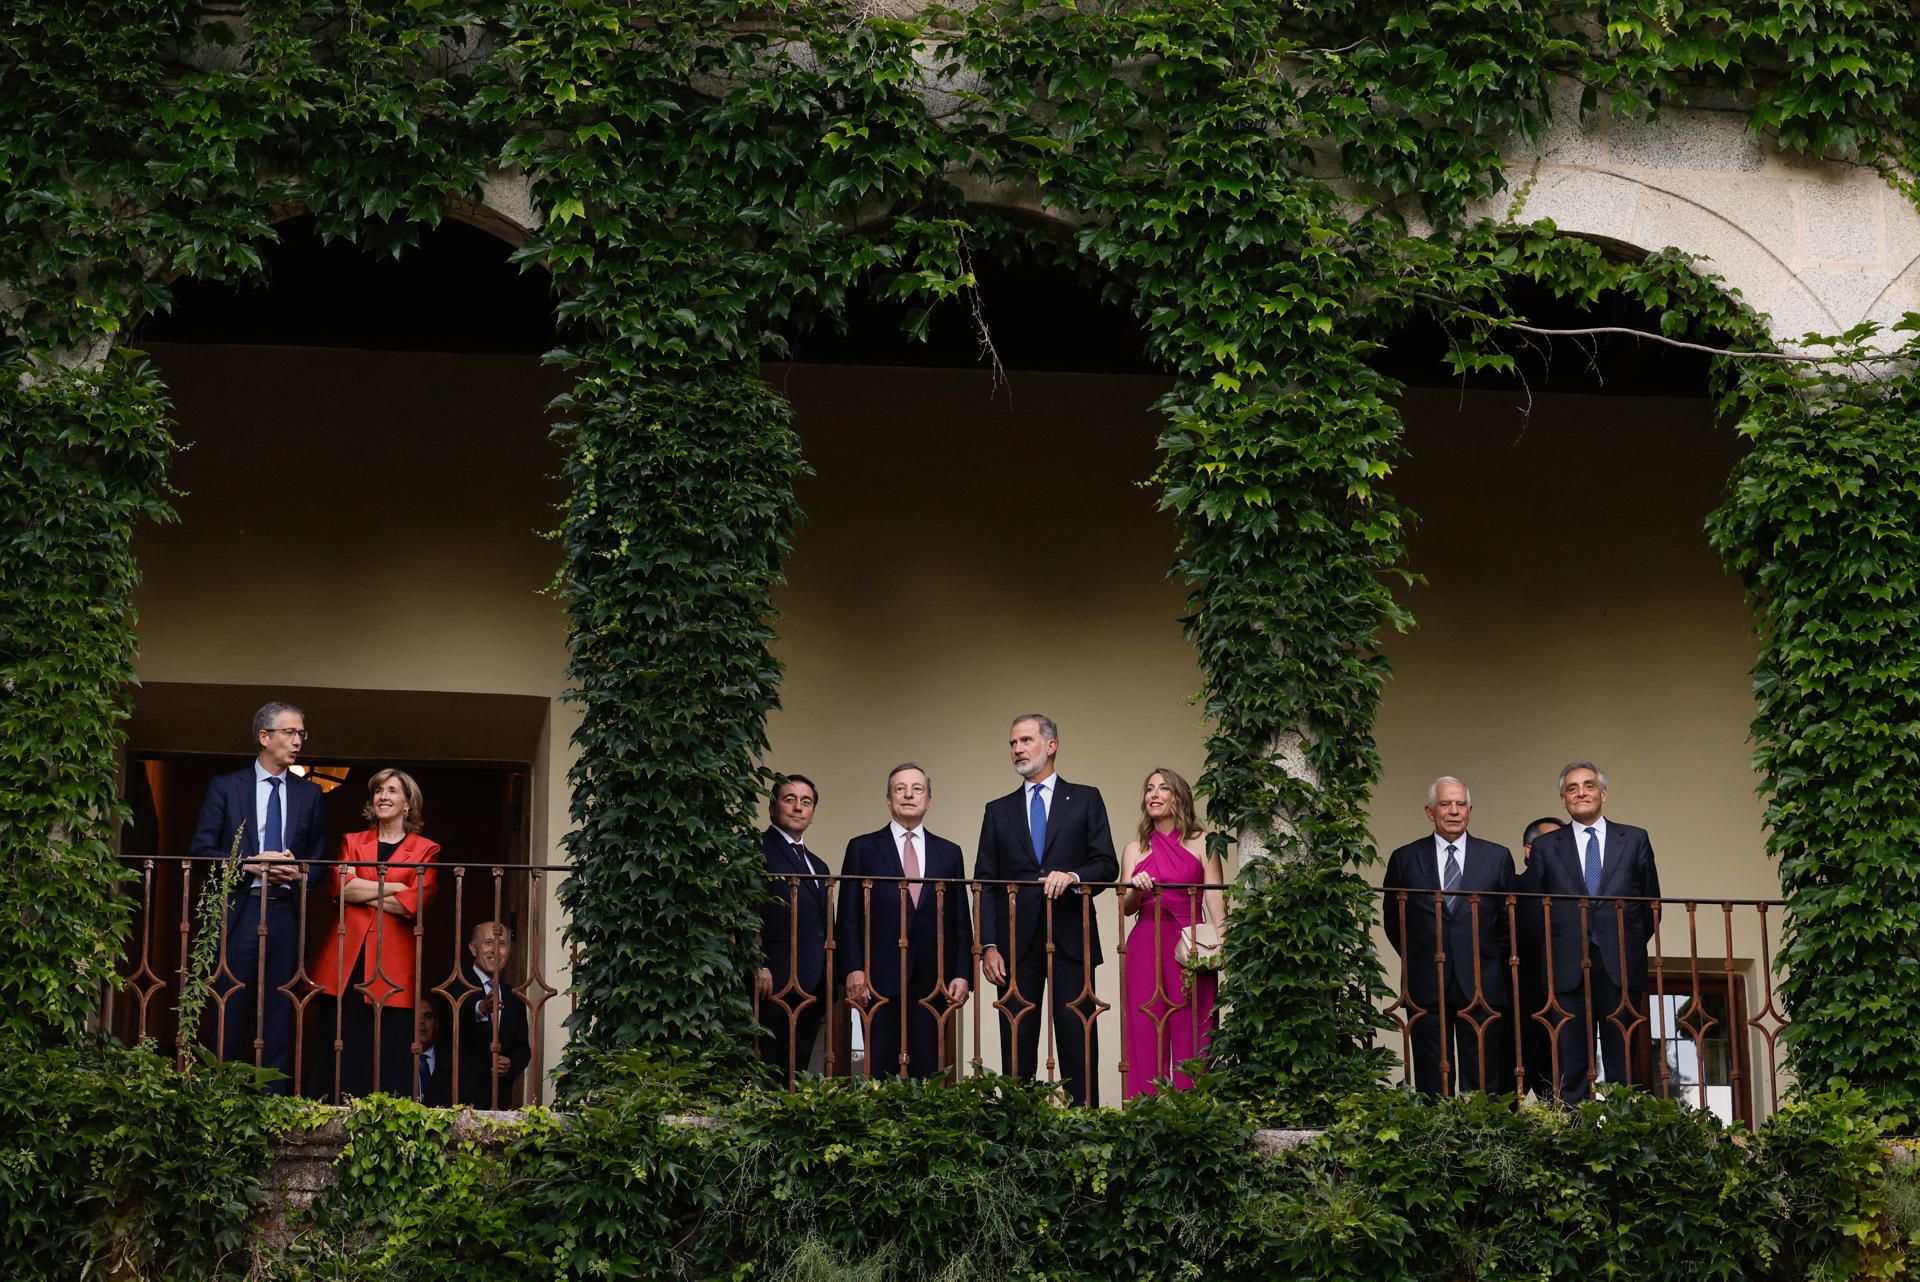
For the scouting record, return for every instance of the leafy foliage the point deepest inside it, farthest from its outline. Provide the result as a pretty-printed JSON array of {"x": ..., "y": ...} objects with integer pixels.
[
  {"x": 654, "y": 1177},
  {"x": 714, "y": 174},
  {"x": 114, "y": 1164},
  {"x": 82, "y": 458},
  {"x": 1821, "y": 525}
]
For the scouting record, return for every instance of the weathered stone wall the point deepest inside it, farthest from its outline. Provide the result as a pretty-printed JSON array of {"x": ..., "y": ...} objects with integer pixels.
[{"x": 1818, "y": 247}]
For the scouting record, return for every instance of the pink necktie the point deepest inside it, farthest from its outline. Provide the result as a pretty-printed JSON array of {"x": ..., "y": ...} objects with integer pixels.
[{"x": 910, "y": 864}]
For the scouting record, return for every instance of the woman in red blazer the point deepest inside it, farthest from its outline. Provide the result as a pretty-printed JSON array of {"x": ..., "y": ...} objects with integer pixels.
[{"x": 366, "y": 963}]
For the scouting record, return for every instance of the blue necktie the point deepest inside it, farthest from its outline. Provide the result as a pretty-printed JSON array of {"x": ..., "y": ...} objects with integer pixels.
[
  {"x": 1037, "y": 821},
  {"x": 270, "y": 836},
  {"x": 1593, "y": 863},
  {"x": 1451, "y": 878}
]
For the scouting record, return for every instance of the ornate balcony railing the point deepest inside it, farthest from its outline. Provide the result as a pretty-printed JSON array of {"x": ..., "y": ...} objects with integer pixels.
[{"x": 1504, "y": 974}]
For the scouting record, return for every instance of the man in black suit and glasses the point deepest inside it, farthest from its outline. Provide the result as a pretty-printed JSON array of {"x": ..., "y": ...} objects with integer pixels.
[
  {"x": 793, "y": 928},
  {"x": 1053, "y": 834},
  {"x": 1601, "y": 860}
]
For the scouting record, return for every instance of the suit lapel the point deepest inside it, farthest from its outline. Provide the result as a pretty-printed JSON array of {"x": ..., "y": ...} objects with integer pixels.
[
  {"x": 249, "y": 798},
  {"x": 1569, "y": 854},
  {"x": 1612, "y": 861},
  {"x": 1479, "y": 860}
]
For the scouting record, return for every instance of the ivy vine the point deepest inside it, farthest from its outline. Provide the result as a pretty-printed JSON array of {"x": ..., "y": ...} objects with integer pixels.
[{"x": 717, "y": 174}]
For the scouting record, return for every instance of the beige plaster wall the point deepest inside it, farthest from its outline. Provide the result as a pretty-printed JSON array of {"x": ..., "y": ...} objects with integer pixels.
[
  {"x": 362, "y": 522},
  {"x": 970, "y": 552},
  {"x": 967, "y": 555},
  {"x": 1572, "y": 608},
  {"x": 402, "y": 495}
]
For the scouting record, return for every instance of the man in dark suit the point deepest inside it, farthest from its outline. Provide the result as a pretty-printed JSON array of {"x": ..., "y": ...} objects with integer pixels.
[
  {"x": 1536, "y": 1043},
  {"x": 433, "y": 1076},
  {"x": 278, "y": 818},
  {"x": 929, "y": 982},
  {"x": 1054, "y": 835},
  {"x": 490, "y": 1040},
  {"x": 1597, "y": 864},
  {"x": 1461, "y": 1037},
  {"x": 793, "y": 930}
]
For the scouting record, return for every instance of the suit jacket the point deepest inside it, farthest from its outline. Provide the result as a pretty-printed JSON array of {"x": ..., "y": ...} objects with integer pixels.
[
  {"x": 944, "y": 943},
  {"x": 1078, "y": 841},
  {"x": 439, "y": 1085},
  {"x": 1626, "y": 868},
  {"x": 793, "y": 920},
  {"x": 229, "y": 806},
  {"x": 1487, "y": 869},
  {"x": 476, "y": 1041},
  {"x": 386, "y": 957}
]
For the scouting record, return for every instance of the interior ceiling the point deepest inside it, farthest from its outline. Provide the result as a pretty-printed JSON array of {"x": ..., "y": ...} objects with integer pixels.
[
  {"x": 456, "y": 291},
  {"x": 348, "y": 725}
]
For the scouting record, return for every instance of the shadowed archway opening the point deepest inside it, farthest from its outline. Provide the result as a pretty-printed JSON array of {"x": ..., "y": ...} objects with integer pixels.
[
  {"x": 365, "y": 491},
  {"x": 1569, "y": 606}
]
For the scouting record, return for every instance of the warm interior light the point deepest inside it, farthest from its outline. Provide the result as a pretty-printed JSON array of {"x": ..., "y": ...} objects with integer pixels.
[{"x": 328, "y": 777}]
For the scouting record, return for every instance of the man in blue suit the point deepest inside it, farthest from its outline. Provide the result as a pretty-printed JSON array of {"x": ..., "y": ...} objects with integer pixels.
[
  {"x": 1454, "y": 906},
  {"x": 1598, "y": 867},
  {"x": 277, "y": 817},
  {"x": 924, "y": 985},
  {"x": 793, "y": 929},
  {"x": 1053, "y": 834}
]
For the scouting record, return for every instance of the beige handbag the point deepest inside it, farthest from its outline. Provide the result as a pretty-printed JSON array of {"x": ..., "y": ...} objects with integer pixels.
[{"x": 1198, "y": 947}]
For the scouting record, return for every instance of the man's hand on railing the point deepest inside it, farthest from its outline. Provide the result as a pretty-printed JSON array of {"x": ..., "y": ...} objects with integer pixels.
[
  {"x": 857, "y": 991},
  {"x": 956, "y": 991},
  {"x": 273, "y": 866},
  {"x": 1059, "y": 883},
  {"x": 992, "y": 966},
  {"x": 763, "y": 986}
]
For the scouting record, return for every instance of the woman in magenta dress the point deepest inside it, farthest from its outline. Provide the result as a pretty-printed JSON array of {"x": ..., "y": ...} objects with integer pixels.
[{"x": 1169, "y": 1013}]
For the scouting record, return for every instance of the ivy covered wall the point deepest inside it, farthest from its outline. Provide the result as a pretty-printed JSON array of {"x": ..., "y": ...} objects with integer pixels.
[{"x": 714, "y": 174}]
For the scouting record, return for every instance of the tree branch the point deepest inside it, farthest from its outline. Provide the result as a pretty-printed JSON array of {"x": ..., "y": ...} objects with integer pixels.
[{"x": 1649, "y": 335}]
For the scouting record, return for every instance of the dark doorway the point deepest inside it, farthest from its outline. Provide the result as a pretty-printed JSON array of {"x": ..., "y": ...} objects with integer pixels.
[{"x": 477, "y": 812}]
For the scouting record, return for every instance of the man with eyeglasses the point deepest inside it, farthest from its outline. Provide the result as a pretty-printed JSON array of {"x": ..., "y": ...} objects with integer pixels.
[
  {"x": 276, "y": 818},
  {"x": 1602, "y": 874}
]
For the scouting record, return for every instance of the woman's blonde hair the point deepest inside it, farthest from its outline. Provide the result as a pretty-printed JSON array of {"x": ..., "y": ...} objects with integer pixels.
[
  {"x": 416, "y": 808},
  {"x": 1184, "y": 821}
]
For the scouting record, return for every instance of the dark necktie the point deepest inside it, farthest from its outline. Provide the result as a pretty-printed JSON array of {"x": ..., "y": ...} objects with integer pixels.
[
  {"x": 426, "y": 1072},
  {"x": 1593, "y": 863},
  {"x": 806, "y": 865},
  {"x": 1451, "y": 877},
  {"x": 270, "y": 836},
  {"x": 1037, "y": 822}
]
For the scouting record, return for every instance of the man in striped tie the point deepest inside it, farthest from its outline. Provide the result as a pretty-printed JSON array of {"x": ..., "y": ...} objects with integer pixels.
[{"x": 1446, "y": 915}]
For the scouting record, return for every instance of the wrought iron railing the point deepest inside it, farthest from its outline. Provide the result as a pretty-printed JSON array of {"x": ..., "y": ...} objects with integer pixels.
[{"x": 1491, "y": 971}]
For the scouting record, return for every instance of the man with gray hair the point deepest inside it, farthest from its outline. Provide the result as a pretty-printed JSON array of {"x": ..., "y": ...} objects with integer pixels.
[
  {"x": 1446, "y": 915},
  {"x": 906, "y": 936},
  {"x": 1053, "y": 835},
  {"x": 1604, "y": 873},
  {"x": 274, "y": 817}
]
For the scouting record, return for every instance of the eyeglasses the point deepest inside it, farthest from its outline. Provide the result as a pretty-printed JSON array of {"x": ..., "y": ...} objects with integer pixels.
[{"x": 292, "y": 732}]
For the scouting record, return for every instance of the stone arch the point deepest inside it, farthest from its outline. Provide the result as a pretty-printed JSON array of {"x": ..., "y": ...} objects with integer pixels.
[{"x": 1817, "y": 247}]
